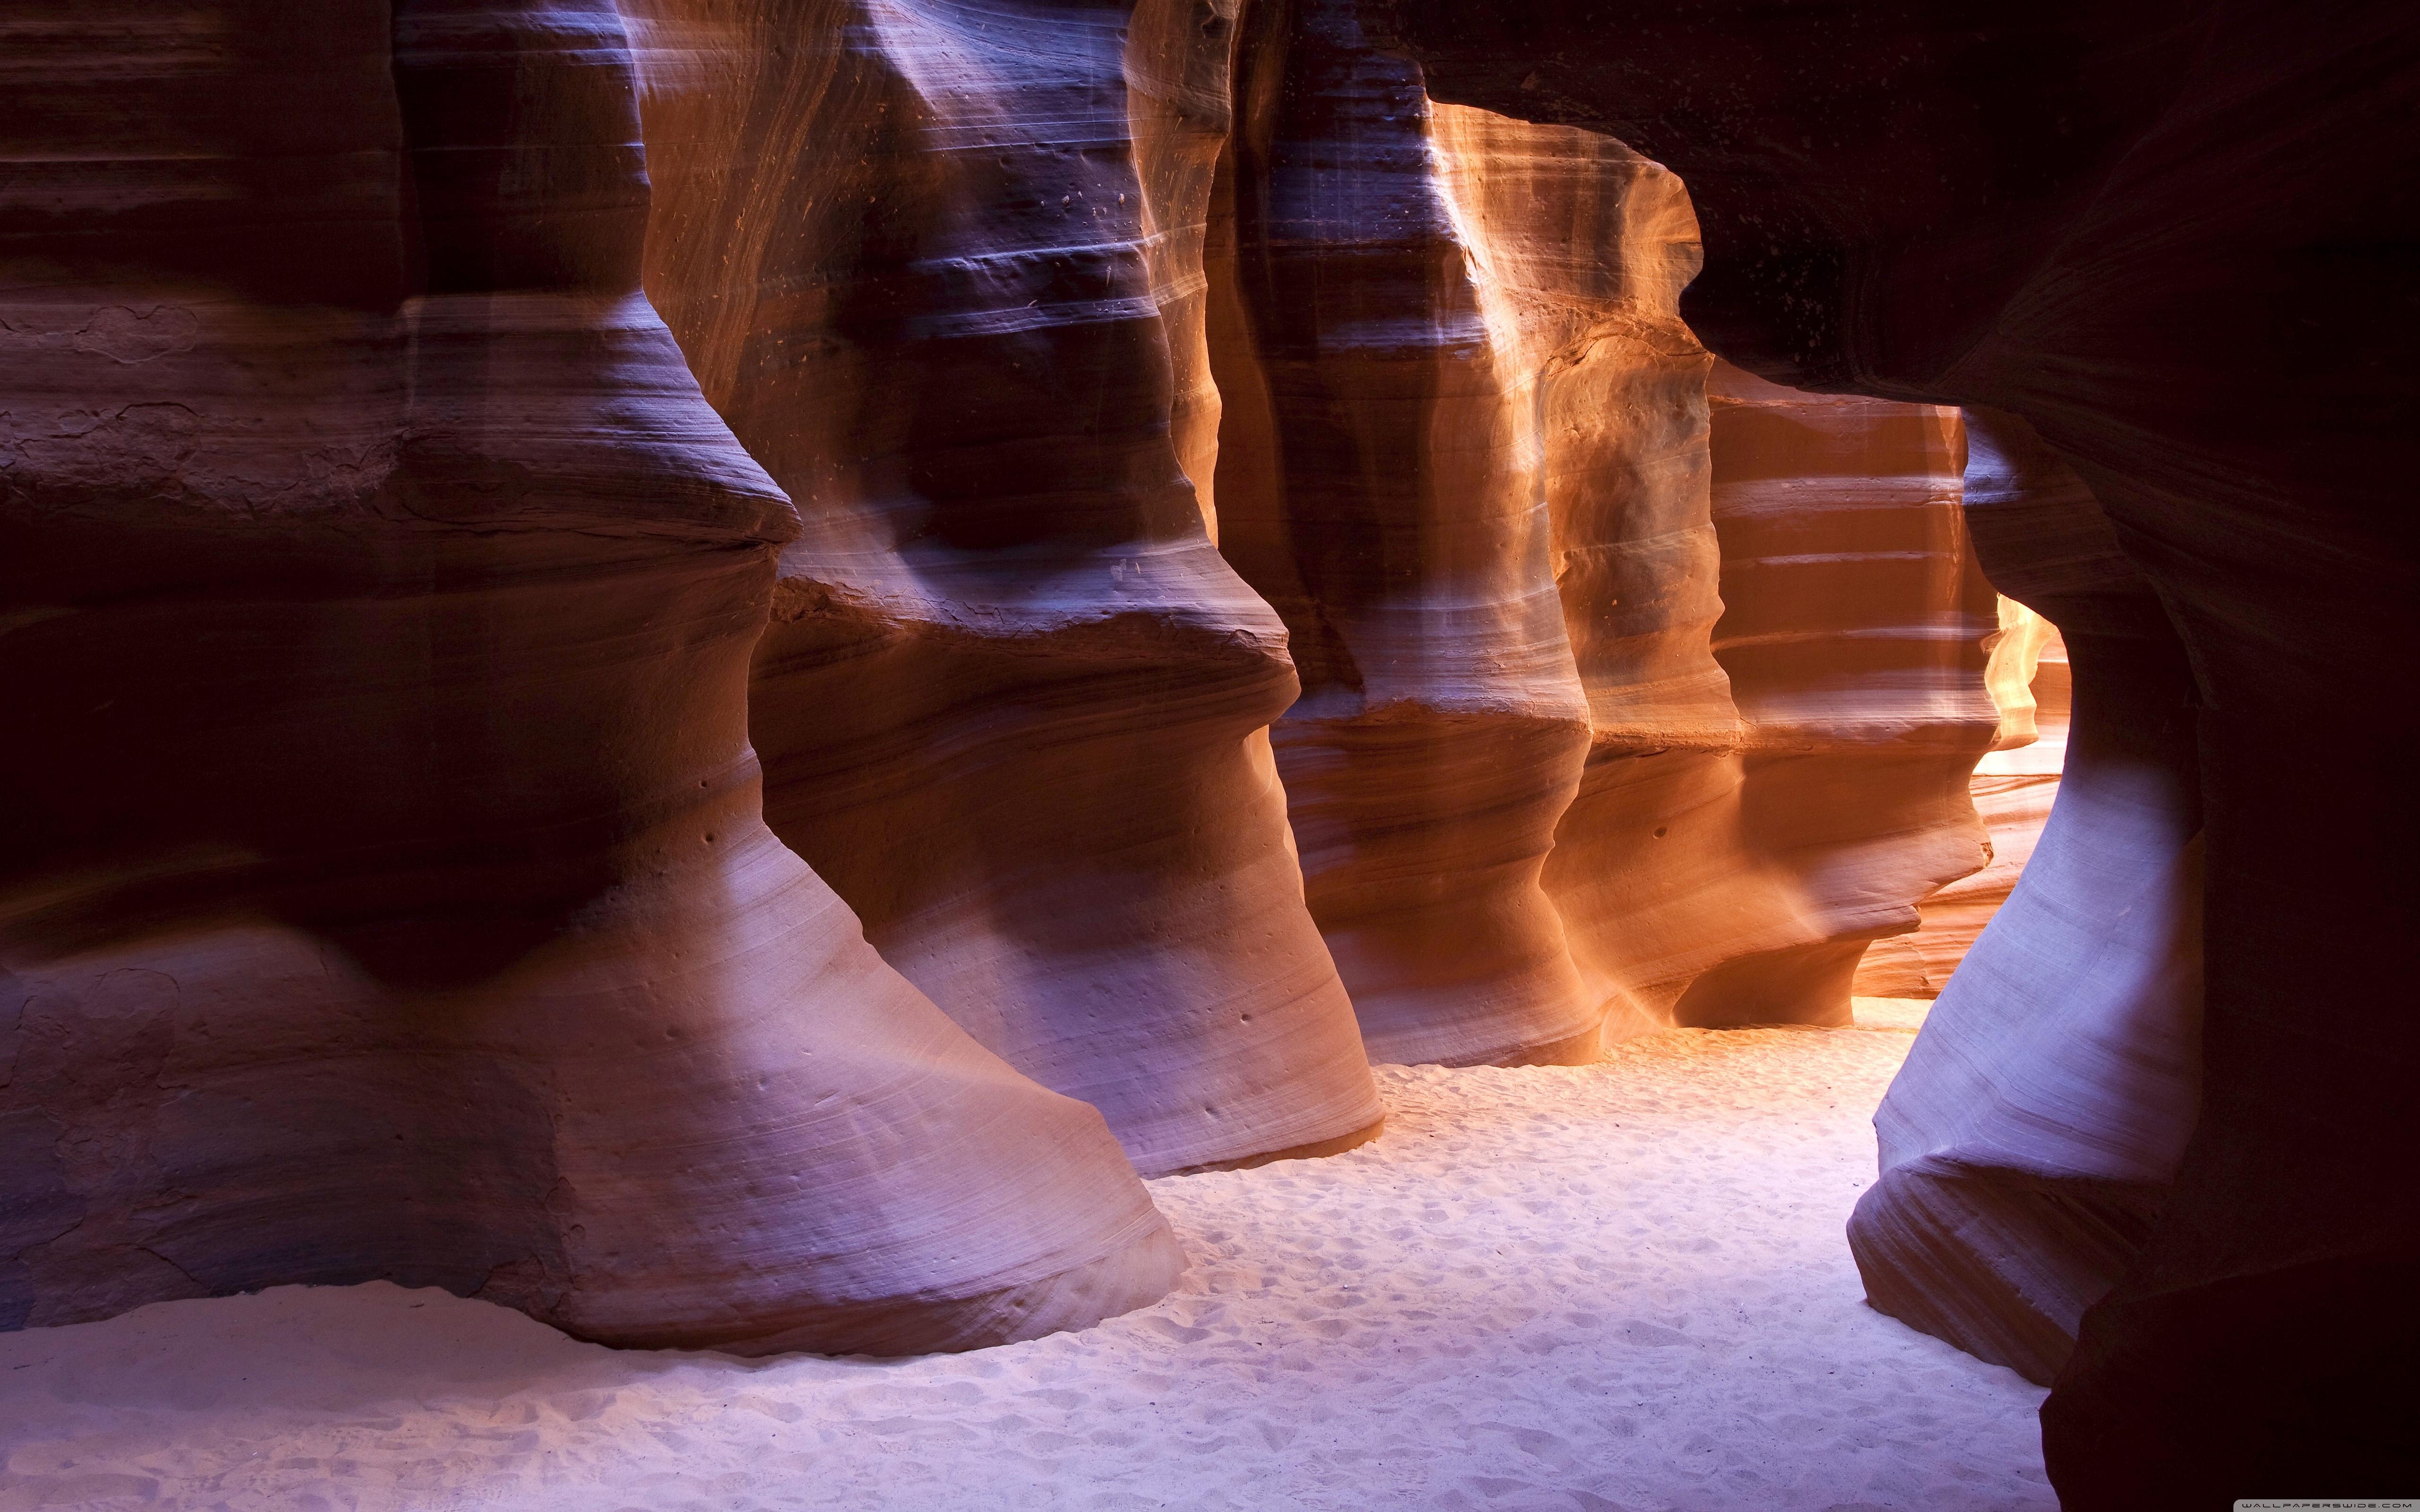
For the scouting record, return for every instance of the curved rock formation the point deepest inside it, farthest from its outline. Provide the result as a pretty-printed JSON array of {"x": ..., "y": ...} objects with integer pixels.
[
  {"x": 1465, "y": 454},
  {"x": 1012, "y": 704},
  {"x": 1731, "y": 867},
  {"x": 2013, "y": 788},
  {"x": 1178, "y": 69},
  {"x": 2158, "y": 233},
  {"x": 2026, "y": 673},
  {"x": 392, "y": 900},
  {"x": 1381, "y": 483},
  {"x": 2030, "y": 1139}
]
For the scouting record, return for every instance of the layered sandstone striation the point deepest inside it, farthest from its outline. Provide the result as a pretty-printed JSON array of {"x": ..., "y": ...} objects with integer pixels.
[
  {"x": 1733, "y": 851},
  {"x": 1465, "y": 454},
  {"x": 1012, "y": 702},
  {"x": 2157, "y": 234},
  {"x": 1381, "y": 483},
  {"x": 2030, "y": 1140},
  {"x": 1180, "y": 109},
  {"x": 2013, "y": 788},
  {"x": 388, "y": 895}
]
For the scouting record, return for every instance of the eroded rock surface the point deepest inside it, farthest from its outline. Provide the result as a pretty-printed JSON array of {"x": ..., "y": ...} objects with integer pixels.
[
  {"x": 2013, "y": 789},
  {"x": 1380, "y": 481},
  {"x": 1012, "y": 702},
  {"x": 2028, "y": 1145},
  {"x": 1734, "y": 849},
  {"x": 1465, "y": 454},
  {"x": 388, "y": 895},
  {"x": 2156, "y": 233}
]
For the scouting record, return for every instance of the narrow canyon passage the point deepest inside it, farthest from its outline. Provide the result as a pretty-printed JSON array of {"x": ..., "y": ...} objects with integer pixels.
[
  {"x": 1207, "y": 754},
  {"x": 1617, "y": 1285}
]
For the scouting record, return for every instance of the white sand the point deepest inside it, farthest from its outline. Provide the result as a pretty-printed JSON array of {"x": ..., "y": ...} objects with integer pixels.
[{"x": 1620, "y": 1286}]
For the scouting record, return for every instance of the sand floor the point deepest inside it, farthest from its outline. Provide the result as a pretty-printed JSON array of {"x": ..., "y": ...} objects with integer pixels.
[{"x": 1620, "y": 1286}]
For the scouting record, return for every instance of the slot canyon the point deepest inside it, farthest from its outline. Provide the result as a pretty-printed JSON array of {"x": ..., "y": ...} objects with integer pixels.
[{"x": 1566, "y": 756}]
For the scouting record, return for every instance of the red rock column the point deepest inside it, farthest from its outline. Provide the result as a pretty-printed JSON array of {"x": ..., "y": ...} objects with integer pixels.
[
  {"x": 1379, "y": 482},
  {"x": 394, "y": 901},
  {"x": 1715, "y": 875},
  {"x": 1012, "y": 702}
]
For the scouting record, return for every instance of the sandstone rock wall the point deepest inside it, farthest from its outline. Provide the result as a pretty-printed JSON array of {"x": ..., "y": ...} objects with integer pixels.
[
  {"x": 1730, "y": 875},
  {"x": 2013, "y": 788},
  {"x": 406, "y": 605},
  {"x": 2158, "y": 234},
  {"x": 1012, "y": 702},
  {"x": 1380, "y": 482},
  {"x": 387, "y": 894},
  {"x": 1466, "y": 456},
  {"x": 2029, "y": 1142},
  {"x": 1180, "y": 109}
]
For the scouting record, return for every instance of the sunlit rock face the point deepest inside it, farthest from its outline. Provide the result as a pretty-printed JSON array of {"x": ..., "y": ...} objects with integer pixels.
[
  {"x": 1731, "y": 865},
  {"x": 1012, "y": 702},
  {"x": 2013, "y": 789},
  {"x": 2030, "y": 1140},
  {"x": 1465, "y": 454},
  {"x": 387, "y": 894},
  {"x": 1381, "y": 482},
  {"x": 2154, "y": 232}
]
